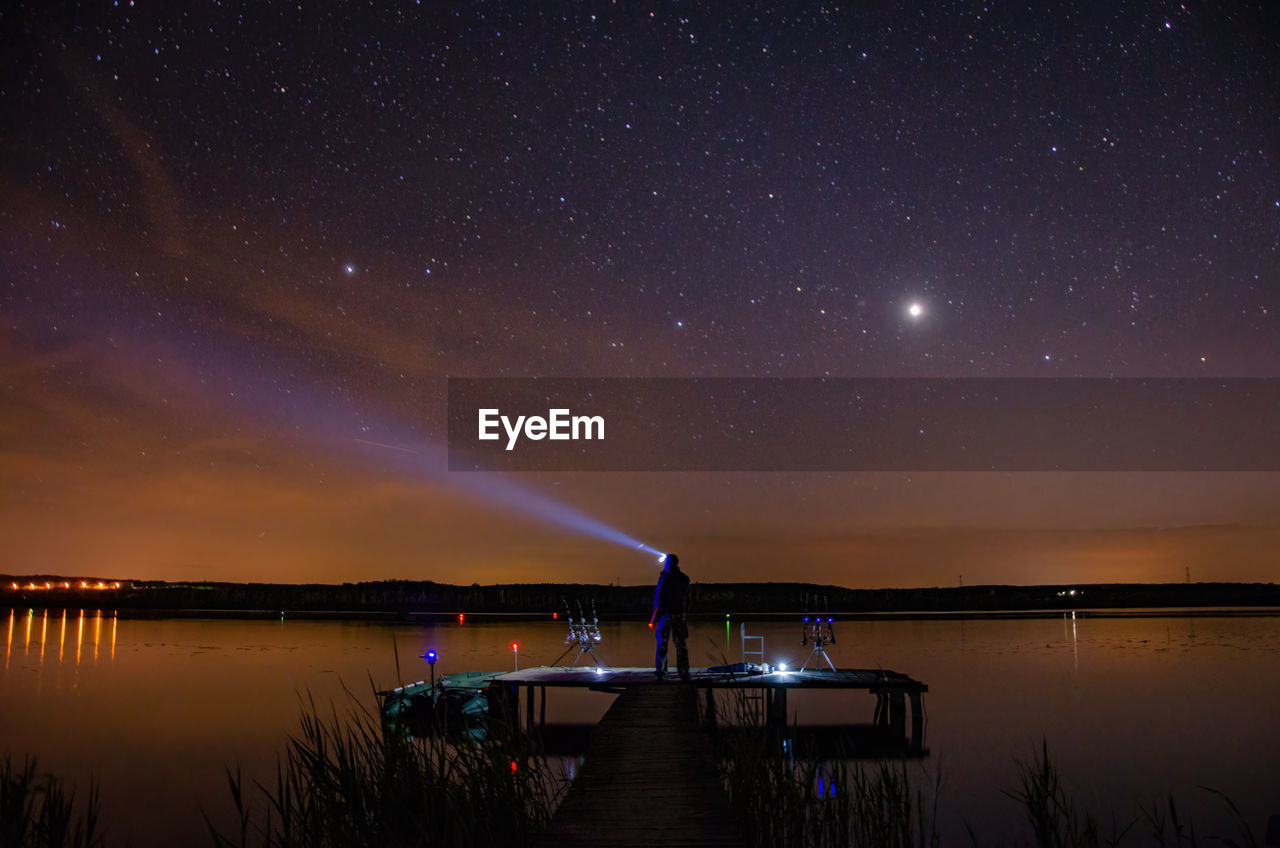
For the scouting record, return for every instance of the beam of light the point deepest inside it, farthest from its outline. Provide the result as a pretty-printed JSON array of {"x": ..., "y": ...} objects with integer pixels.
[
  {"x": 495, "y": 488},
  {"x": 431, "y": 462},
  {"x": 297, "y": 400},
  {"x": 536, "y": 505}
]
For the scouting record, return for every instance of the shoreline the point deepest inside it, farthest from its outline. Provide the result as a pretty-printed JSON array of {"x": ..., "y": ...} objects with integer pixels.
[{"x": 425, "y": 602}]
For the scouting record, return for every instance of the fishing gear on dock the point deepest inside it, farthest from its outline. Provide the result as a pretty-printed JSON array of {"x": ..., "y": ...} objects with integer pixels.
[
  {"x": 583, "y": 636},
  {"x": 812, "y": 634}
]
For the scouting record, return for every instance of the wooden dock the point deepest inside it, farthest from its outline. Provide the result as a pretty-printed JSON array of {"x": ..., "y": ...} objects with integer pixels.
[
  {"x": 892, "y": 691},
  {"x": 888, "y": 733},
  {"x": 649, "y": 778}
]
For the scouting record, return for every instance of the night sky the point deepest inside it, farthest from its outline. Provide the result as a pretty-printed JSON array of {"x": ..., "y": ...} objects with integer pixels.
[{"x": 243, "y": 245}]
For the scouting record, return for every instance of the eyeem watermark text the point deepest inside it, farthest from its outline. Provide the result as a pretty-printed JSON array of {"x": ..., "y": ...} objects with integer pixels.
[{"x": 559, "y": 425}]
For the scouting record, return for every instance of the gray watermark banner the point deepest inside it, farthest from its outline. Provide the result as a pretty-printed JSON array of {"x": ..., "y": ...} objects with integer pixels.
[{"x": 863, "y": 424}]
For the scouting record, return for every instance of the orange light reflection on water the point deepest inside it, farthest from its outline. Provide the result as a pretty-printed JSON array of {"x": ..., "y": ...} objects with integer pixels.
[{"x": 44, "y": 629}]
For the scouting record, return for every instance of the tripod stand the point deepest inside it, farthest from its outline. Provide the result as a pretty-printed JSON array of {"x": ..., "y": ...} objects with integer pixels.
[
  {"x": 812, "y": 633},
  {"x": 585, "y": 637}
]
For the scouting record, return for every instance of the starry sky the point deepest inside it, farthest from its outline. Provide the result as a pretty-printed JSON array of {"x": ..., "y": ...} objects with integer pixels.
[{"x": 243, "y": 245}]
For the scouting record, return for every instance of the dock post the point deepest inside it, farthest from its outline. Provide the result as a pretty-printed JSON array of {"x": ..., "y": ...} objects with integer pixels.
[
  {"x": 917, "y": 723},
  {"x": 503, "y": 704},
  {"x": 881, "y": 717},
  {"x": 711, "y": 707},
  {"x": 898, "y": 713},
  {"x": 528, "y": 707},
  {"x": 512, "y": 705},
  {"x": 542, "y": 708},
  {"x": 777, "y": 708}
]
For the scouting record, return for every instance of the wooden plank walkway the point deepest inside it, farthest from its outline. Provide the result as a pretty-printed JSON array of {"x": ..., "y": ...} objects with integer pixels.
[{"x": 649, "y": 779}]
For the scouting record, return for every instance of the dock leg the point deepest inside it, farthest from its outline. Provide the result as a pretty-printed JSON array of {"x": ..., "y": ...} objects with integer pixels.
[
  {"x": 917, "y": 723},
  {"x": 528, "y": 707},
  {"x": 504, "y": 706},
  {"x": 898, "y": 715},
  {"x": 777, "y": 707},
  {"x": 512, "y": 706},
  {"x": 881, "y": 718},
  {"x": 542, "y": 708},
  {"x": 711, "y": 707}
]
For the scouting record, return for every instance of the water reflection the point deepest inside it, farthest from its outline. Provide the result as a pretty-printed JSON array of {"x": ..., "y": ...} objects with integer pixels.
[
  {"x": 44, "y": 656},
  {"x": 44, "y": 628},
  {"x": 1070, "y": 618},
  {"x": 227, "y": 692}
]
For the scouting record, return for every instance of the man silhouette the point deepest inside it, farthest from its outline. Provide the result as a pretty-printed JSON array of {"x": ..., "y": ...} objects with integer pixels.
[{"x": 670, "y": 603}]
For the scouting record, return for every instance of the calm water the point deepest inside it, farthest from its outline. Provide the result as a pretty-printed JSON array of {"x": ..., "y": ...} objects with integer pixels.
[{"x": 1133, "y": 708}]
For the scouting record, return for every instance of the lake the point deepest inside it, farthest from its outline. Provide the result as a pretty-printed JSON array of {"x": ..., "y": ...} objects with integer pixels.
[{"x": 1133, "y": 707}]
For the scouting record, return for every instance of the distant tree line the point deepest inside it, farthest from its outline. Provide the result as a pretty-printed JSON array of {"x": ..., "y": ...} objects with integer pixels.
[{"x": 406, "y": 597}]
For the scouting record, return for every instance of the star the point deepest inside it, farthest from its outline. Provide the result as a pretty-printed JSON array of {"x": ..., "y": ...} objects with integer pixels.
[{"x": 915, "y": 310}]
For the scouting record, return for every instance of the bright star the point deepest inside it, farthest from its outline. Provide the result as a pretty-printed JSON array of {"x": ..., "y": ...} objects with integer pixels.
[
  {"x": 915, "y": 310},
  {"x": 350, "y": 269}
]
